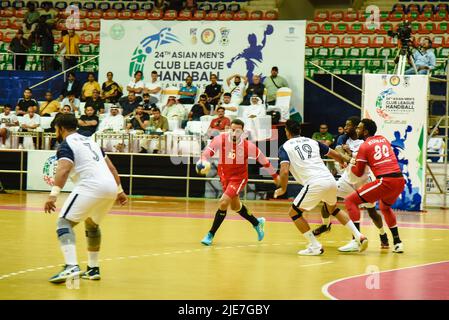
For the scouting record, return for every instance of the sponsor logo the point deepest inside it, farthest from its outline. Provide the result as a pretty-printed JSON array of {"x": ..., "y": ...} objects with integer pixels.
[
  {"x": 208, "y": 36},
  {"x": 395, "y": 80},
  {"x": 49, "y": 170},
  {"x": 117, "y": 31},
  {"x": 224, "y": 36}
]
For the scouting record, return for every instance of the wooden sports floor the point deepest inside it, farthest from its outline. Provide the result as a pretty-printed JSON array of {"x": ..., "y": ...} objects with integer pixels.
[{"x": 151, "y": 250}]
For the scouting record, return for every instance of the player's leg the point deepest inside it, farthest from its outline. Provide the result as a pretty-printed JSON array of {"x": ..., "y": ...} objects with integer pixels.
[
  {"x": 377, "y": 220},
  {"x": 3, "y": 135},
  {"x": 390, "y": 219},
  {"x": 258, "y": 223},
  {"x": 326, "y": 222}
]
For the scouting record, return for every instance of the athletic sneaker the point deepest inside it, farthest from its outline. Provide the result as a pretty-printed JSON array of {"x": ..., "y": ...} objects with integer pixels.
[
  {"x": 384, "y": 241},
  {"x": 69, "y": 271},
  {"x": 322, "y": 229},
  {"x": 363, "y": 242},
  {"x": 91, "y": 273},
  {"x": 312, "y": 250},
  {"x": 351, "y": 246},
  {"x": 260, "y": 228},
  {"x": 398, "y": 248},
  {"x": 207, "y": 240}
]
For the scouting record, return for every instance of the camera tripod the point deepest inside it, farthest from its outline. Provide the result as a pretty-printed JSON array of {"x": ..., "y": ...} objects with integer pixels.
[{"x": 401, "y": 61}]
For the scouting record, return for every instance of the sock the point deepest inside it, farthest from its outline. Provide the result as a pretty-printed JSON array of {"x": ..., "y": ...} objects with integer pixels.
[
  {"x": 381, "y": 231},
  {"x": 245, "y": 214},
  {"x": 69, "y": 252},
  {"x": 92, "y": 259},
  {"x": 219, "y": 217},
  {"x": 395, "y": 233},
  {"x": 311, "y": 238},
  {"x": 327, "y": 221},
  {"x": 354, "y": 228}
]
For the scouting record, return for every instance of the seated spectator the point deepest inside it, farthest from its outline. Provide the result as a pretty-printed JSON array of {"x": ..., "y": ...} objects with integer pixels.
[
  {"x": 64, "y": 110},
  {"x": 219, "y": 124},
  {"x": 273, "y": 83},
  {"x": 24, "y": 103},
  {"x": 49, "y": 106},
  {"x": 158, "y": 122},
  {"x": 96, "y": 102},
  {"x": 138, "y": 120},
  {"x": 136, "y": 86},
  {"x": 256, "y": 87},
  {"x": 146, "y": 104},
  {"x": 173, "y": 110},
  {"x": 435, "y": 146},
  {"x": 89, "y": 87},
  {"x": 236, "y": 87},
  {"x": 340, "y": 135},
  {"x": 154, "y": 88},
  {"x": 71, "y": 101},
  {"x": 31, "y": 17},
  {"x": 31, "y": 121},
  {"x": 424, "y": 58},
  {"x": 323, "y": 136},
  {"x": 19, "y": 45},
  {"x": 129, "y": 104},
  {"x": 113, "y": 121},
  {"x": 188, "y": 92},
  {"x": 255, "y": 109},
  {"x": 213, "y": 91},
  {"x": 200, "y": 109},
  {"x": 111, "y": 91},
  {"x": 231, "y": 109},
  {"x": 71, "y": 85},
  {"x": 7, "y": 121},
  {"x": 88, "y": 122}
]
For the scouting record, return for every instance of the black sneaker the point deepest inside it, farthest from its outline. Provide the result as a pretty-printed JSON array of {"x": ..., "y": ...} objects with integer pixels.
[
  {"x": 322, "y": 229},
  {"x": 91, "y": 273},
  {"x": 384, "y": 241}
]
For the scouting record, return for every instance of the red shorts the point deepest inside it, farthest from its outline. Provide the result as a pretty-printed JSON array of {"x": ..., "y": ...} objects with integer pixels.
[
  {"x": 385, "y": 189},
  {"x": 232, "y": 188}
]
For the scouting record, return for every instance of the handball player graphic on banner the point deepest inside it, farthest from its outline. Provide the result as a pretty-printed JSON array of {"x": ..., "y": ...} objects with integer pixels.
[
  {"x": 176, "y": 49},
  {"x": 398, "y": 105}
]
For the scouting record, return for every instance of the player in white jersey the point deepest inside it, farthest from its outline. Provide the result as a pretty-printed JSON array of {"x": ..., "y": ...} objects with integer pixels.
[
  {"x": 97, "y": 186},
  {"x": 348, "y": 183},
  {"x": 302, "y": 157}
]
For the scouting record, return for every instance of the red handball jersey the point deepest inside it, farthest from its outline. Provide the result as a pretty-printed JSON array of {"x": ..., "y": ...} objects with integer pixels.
[
  {"x": 233, "y": 157},
  {"x": 376, "y": 152}
]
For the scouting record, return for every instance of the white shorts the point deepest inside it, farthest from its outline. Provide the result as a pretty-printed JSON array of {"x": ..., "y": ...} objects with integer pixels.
[
  {"x": 344, "y": 189},
  {"x": 312, "y": 194},
  {"x": 78, "y": 208}
]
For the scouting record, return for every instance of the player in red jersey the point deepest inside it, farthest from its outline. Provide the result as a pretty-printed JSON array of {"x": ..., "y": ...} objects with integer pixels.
[
  {"x": 234, "y": 151},
  {"x": 376, "y": 152}
]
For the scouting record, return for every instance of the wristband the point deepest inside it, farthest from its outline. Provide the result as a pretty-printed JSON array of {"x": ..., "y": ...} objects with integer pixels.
[
  {"x": 274, "y": 176},
  {"x": 55, "y": 190},
  {"x": 120, "y": 189}
]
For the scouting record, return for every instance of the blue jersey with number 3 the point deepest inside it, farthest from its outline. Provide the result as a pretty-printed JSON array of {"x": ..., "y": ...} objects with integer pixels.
[{"x": 304, "y": 156}]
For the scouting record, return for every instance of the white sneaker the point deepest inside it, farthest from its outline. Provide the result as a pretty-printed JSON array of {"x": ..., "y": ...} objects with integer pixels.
[
  {"x": 363, "y": 243},
  {"x": 311, "y": 251},
  {"x": 20, "y": 146},
  {"x": 351, "y": 246},
  {"x": 398, "y": 248}
]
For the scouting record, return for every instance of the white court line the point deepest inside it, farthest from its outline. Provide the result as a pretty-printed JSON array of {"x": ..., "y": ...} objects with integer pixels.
[{"x": 315, "y": 264}]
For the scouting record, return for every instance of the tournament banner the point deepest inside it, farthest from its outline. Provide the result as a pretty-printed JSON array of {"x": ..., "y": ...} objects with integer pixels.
[
  {"x": 41, "y": 170},
  {"x": 398, "y": 105},
  {"x": 198, "y": 48}
]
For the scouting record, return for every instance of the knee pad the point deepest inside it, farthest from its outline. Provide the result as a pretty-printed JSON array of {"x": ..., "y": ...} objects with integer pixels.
[
  {"x": 93, "y": 235},
  {"x": 298, "y": 211},
  {"x": 335, "y": 212},
  {"x": 65, "y": 232}
]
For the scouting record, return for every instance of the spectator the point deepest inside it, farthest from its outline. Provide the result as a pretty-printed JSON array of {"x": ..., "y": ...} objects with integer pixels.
[
  {"x": 64, "y": 110},
  {"x": 188, "y": 92},
  {"x": 146, "y": 104},
  {"x": 200, "y": 109},
  {"x": 24, "y": 103},
  {"x": 89, "y": 87},
  {"x": 272, "y": 84},
  {"x": 129, "y": 105},
  {"x": 88, "y": 122},
  {"x": 425, "y": 59},
  {"x": 213, "y": 91},
  {"x": 231, "y": 108},
  {"x": 219, "y": 124},
  {"x": 256, "y": 109},
  {"x": 31, "y": 121},
  {"x": 113, "y": 121},
  {"x": 173, "y": 110},
  {"x": 111, "y": 91},
  {"x": 45, "y": 39},
  {"x": 435, "y": 146},
  {"x": 49, "y": 106},
  {"x": 158, "y": 122},
  {"x": 139, "y": 120},
  {"x": 175, "y": 5},
  {"x": 340, "y": 133},
  {"x": 70, "y": 43},
  {"x": 95, "y": 102},
  {"x": 256, "y": 87},
  {"x": 190, "y": 5},
  {"x": 7, "y": 120},
  {"x": 154, "y": 88},
  {"x": 31, "y": 17},
  {"x": 20, "y": 46},
  {"x": 323, "y": 136},
  {"x": 71, "y": 101},
  {"x": 71, "y": 85},
  {"x": 136, "y": 85},
  {"x": 237, "y": 87},
  {"x": 48, "y": 14}
]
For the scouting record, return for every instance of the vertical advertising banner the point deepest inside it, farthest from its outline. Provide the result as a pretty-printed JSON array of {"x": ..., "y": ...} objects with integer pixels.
[
  {"x": 199, "y": 48},
  {"x": 398, "y": 105}
]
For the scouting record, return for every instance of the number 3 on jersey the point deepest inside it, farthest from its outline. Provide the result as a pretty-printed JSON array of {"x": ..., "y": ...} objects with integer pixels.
[
  {"x": 96, "y": 157},
  {"x": 380, "y": 151}
]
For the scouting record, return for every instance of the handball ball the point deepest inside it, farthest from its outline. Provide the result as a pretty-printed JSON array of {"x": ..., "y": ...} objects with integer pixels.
[
  {"x": 202, "y": 167},
  {"x": 269, "y": 29}
]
